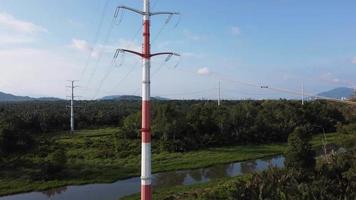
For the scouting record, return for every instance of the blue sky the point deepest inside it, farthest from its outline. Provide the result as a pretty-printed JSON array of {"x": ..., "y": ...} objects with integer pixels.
[{"x": 279, "y": 43}]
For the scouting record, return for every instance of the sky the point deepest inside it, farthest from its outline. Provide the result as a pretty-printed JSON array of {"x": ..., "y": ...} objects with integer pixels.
[{"x": 241, "y": 44}]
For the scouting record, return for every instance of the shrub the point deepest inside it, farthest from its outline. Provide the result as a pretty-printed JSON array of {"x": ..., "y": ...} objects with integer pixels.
[{"x": 299, "y": 154}]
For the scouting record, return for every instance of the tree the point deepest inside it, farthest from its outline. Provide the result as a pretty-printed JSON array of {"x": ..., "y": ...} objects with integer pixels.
[{"x": 299, "y": 154}]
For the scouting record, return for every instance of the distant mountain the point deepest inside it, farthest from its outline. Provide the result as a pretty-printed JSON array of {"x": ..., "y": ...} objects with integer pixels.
[
  {"x": 48, "y": 99},
  {"x": 5, "y": 97},
  {"x": 129, "y": 98},
  {"x": 338, "y": 93},
  {"x": 11, "y": 97},
  {"x": 160, "y": 98},
  {"x": 122, "y": 98}
]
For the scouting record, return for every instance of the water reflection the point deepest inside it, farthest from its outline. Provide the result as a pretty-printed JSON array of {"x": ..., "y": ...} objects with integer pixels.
[
  {"x": 56, "y": 191},
  {"x": 130, "y": 186},
  {"x": 218, "y": 171},
  {"x": 169, "y": 179},
  {"x": 196, "y": 175},
  {"x": 248, "y": 167}
]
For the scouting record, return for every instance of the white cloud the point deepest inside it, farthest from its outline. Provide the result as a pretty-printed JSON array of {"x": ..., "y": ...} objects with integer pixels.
[
  {"x": 353, "y": 61},
  {"x": 189, "y": 35},
  {"x": 129, "y": 44},
  {"x": 10, "y": 23},
  {"x": 81, "y": 45},
  {"x": 15, "y": 31},
  {"x": 331, "y": 78},
  {"x": 203, "y": 71},
  {"x": 235, "y": 30},
  {"x": 85, "y": 47},
  {"x": 38, "y": 72},
  {"x": 18, "y": 39}
]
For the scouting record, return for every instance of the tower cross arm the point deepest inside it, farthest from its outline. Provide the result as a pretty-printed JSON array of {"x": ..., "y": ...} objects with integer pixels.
[
  {"x": 128, "y": 51},
  {"x": 128, "y": 8},
  {"x": 165, "y": 53},
  {"x": 164, "y": 13},
  {"x": 141, "y": 55}
]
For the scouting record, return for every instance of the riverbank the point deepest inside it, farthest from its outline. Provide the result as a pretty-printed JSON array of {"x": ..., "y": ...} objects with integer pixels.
[
  {"x": 225, "y": 186},
  {"x": 90, "y": 161}
]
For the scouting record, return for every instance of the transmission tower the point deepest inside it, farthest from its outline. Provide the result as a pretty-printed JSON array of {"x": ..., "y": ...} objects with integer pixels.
[
  {"x": 303, "y": 93},
  {"x": 146, "y": 177},
  {"x": 72, "y": 87},
  {"x": 219, "y": 94}
]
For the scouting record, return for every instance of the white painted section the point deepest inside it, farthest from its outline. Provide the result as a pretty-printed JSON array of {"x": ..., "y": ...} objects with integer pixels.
[
  {"x": 146, "y": 182},
  {"x": 146, "y": 90},
  {"x": 146, "y": 163},
  {"x": 146, "y": 9}
]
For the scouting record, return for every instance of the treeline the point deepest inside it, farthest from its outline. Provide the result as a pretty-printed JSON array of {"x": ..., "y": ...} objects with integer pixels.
[
  {"x": 176, "y": 125},
  {"x": 22, "y": 123},
  {"x": 182, "y": 126}
]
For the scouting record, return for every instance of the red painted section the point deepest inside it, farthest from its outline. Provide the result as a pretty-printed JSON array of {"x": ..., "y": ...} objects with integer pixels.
[
  {"x": 146, "y": 192},
  {"x": 146, "y": 135},
  {"x": 146, "y": 39}
]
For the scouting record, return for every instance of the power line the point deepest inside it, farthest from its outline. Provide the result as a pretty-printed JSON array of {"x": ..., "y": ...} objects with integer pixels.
[
  {"x": 101, "y": 54},
  {"x": 282, "y": 90},
  {"x": 155, "y": 38},
  {"x": 96, "y": 37}
]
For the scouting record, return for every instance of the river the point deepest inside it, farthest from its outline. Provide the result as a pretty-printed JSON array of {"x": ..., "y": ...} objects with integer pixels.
[{"x": 121, "y": 188}]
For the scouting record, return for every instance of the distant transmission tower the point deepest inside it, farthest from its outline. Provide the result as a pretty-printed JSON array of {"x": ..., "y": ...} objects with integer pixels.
[
  {"x": 219, "y": 94},
  {"x": 72, "y": 104},
  {"x": 303, "y": 93},
  {"x": 146, "y": 177}
]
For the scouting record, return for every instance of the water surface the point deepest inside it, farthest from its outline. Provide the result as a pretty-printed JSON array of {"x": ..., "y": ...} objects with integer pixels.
[{"x": 121, "y": 188}]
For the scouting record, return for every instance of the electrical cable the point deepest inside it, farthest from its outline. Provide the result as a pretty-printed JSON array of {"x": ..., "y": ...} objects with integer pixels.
[{"x": 96, "y": 37}]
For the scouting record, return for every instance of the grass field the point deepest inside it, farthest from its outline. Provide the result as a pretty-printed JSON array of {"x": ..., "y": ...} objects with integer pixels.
[{"x": 91, "y": 159}]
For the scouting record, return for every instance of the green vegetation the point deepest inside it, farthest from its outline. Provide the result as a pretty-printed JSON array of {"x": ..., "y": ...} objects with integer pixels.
[
  {"x": 327, "y": 181},
  {"x": 299, "y": 154},
  {"x": 89, "y": 160},
  {"x": 38, "y": 153},
  {"x": 333, "y": 178},
  {"x": 179, "y": 126}
]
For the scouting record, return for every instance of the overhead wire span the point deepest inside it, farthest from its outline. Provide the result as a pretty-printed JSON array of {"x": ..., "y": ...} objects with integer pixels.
[
  {"x": 101, "y": 53},
  {"x": 117, "y": 19},
  {"x": 188, "y": 93},
  {"x": 96, "y": 37},
  {"x": 122, "y": 60},
  {"x": 123, "y": 55},
  {"x": 159, "y": 68},
  {"x": 296, "y": 93},
  {"x": 169, "y": 17},
  {"x": 113, "y": 65}
]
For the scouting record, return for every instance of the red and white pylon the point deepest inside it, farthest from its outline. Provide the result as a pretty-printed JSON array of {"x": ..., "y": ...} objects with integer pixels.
[{"x": 146, "y": 176}]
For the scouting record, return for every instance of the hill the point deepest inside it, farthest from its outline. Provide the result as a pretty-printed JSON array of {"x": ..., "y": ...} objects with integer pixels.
[
  {"x": 338, "y": 93},
  {"x": 5, "y": 97},
  {"x": 122, "y": 98},
  {"x": 11, "y": 97},
  {"x": 129, "y": 98}
]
